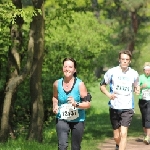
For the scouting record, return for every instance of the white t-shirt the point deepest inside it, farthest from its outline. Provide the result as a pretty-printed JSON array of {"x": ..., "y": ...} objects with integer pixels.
[{"x": 122, "y": 85}]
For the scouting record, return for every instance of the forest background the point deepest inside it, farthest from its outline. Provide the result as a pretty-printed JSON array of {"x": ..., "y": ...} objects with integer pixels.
[{"x": 35, "y": 36}]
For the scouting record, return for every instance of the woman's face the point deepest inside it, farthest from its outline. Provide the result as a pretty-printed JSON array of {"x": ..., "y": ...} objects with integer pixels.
[{"x": 68, "y": 68}]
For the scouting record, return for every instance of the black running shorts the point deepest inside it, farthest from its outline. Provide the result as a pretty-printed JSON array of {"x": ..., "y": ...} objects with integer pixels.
[
  {"x": 120, "y": 117},
  {"x": 145, "y": 111}
]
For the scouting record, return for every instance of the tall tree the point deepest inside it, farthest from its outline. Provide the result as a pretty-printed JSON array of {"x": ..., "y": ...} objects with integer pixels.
[
  {"x": 37, "y": 36},
  {"x": 13, "y": 64},
  {"x": 15, "y": 76},
  {"x": 129, "y": 13},
  {"x": 95, "y": 8}
]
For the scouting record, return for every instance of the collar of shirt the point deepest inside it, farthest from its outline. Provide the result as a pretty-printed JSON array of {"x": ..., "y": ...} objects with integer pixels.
[{"x": 123, "y": 71}]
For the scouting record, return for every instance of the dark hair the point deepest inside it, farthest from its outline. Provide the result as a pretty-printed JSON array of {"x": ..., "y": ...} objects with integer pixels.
[
  {"x": 125, "y": 52},
  {"x": 75, "y": 64}
]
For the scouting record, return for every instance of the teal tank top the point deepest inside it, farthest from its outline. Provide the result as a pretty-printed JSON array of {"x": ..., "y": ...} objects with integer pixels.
[{"x": 74, "y": 92}]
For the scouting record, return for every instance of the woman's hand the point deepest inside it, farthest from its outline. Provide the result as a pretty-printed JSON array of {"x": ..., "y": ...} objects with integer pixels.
[
  {"x": 55, "y": 109},
  {"x": 71, "y": 101}
]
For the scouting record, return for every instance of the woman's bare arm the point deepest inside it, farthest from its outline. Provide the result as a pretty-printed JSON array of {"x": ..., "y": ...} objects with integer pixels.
[{"x": 55, "y": 97}]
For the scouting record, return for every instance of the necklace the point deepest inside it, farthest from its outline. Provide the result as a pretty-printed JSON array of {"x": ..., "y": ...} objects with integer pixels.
[{"x": 67, "y": 84}]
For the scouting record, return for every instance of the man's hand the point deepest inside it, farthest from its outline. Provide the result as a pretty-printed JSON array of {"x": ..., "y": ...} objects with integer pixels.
[
  {"x": 112, "y": 96},
  {"x": 137, "y": 90},
  {"x": 144, "y": 85}
]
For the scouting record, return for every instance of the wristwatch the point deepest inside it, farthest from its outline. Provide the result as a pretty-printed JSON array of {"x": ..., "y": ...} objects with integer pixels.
[{"x": 77, "y": 104}]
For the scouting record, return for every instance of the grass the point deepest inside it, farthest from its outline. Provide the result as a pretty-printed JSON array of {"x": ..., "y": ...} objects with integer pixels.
[{"x": 97, "y": 127}]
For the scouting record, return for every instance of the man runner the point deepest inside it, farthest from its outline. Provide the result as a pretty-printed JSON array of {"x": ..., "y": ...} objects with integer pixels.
[{"x": 123, "y": 81}]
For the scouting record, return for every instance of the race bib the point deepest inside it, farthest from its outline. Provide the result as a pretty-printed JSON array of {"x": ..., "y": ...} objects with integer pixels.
[
  {"x": 122, "y": 88},
  {"x": 68, "y": 112},
  {"x": 146, "y": 94}
]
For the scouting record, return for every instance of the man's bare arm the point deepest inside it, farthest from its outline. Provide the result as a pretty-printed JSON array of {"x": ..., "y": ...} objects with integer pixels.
[{"x": 104, "y": 90}]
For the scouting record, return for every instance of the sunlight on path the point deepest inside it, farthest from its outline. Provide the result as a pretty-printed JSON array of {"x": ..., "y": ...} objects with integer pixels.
[{"x": 132, "y": 144}]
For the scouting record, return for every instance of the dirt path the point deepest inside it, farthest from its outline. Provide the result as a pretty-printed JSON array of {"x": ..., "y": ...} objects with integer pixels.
[{"x": 132, "y": 144}]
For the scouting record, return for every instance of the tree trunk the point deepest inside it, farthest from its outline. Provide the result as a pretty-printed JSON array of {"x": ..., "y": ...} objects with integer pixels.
[
  {"x": 37, "y": 111},
  {"x": 95, "y": 8},
  {"x": 134, "y": 27},
  {"x": 16, "y": 77},
  {"x": 10, "y": 90},
  {"x": 13, "y": 62}
]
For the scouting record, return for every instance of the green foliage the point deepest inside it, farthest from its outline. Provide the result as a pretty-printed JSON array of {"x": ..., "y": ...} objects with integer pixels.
[
  {"x": 83, "y": 40},
  {"x": 22, "y": 110},
  {"x": 60, "y": 10},
  {"x": 83, "y": 3},
  {"x": 8, "y": 14},
  {"x": 5, "y": 17}
]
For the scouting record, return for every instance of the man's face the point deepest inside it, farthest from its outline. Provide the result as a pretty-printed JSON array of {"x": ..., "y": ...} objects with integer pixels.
[
  {"x": 124, "y": 61},
  {"x": 147, "y": 71}
]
